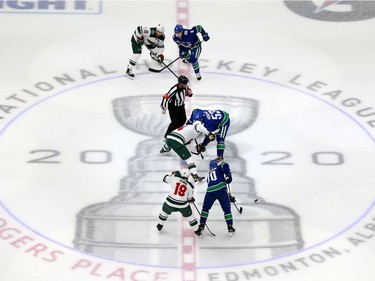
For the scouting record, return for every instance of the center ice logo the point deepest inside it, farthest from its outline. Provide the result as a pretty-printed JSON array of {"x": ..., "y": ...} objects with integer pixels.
[
  {"x": 269, "y": 229},
  {"x": 281, "y": 148},
  {"x": 51, "y": 7}
]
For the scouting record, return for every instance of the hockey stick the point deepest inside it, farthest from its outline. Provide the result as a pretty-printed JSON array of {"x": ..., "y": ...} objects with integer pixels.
[
  {"x": 230, "y": 193},
  {"x": 200, "y": 152},
  {"x": 213, "y": 234},
  {"x": 167, "y": 65}
]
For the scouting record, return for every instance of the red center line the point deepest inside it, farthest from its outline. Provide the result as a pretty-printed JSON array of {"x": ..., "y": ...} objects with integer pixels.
[
  {"x": 182, "y": 7},
  {"x": 188, "y": 252}
]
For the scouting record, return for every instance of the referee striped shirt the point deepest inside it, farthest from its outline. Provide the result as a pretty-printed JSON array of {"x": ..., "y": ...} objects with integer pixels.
[{"x": 174, "y": 97}]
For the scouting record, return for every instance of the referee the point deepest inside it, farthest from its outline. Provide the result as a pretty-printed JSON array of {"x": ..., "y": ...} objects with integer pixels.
[{"x": 174, "y": 101}]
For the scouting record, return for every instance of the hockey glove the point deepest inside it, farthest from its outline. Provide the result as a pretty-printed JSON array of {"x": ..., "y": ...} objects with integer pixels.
[
  {"x": 185, "y": 55},
  {"x": 139, "y": 40},
  {"x": 191, "y": 200},
  {"x": 206, "y": 37},
  {"x": 154, "y": 56},
  {"x": 160, "y": 58},
  {"x": 232, "y": 198},
  {"x": 228, "y": 178},
  {"x": 201, "y": 148},
  {"x": 211, "y": 136},
  {"x": 189, "y": 92}
]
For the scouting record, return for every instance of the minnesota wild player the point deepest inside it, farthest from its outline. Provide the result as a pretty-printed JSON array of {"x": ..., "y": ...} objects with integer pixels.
[
  {"x": 179, "y": 198},
  {"x": 153, "y": 38},
  {"x": 178, "y": 140}
]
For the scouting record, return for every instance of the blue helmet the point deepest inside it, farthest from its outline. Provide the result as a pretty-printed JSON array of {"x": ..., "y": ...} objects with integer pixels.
[
  {"x": 178, "y": 28},
  {"x": 213, "y": 164},
  {"x": 197, "y": 114}
]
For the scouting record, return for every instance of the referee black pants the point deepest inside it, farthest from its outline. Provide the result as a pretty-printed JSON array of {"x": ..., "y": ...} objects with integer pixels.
[{"x": 177, "y": 115}]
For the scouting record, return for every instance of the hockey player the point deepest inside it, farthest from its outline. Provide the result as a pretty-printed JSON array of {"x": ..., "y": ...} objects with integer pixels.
[
  {"x": 178, "y": 140},
  {"x": 189, "y": 45},
  {"x": 214, "y": 121},
  {"x": 218, "y": 178},
  {"x": 174, "y": 102},
  {"x": 179, "y": 198},
  {"x": 153, "y": 39}
]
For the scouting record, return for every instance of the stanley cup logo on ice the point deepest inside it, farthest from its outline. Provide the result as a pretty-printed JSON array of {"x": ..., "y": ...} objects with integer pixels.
[{"x": 124, "y": 228}]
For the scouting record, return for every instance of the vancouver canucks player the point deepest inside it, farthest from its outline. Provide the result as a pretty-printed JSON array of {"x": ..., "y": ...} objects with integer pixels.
[
  {"x": 189, "y": 45},
  {"x": 217, "y": 121},
  {"x": 218, "y": 177}
]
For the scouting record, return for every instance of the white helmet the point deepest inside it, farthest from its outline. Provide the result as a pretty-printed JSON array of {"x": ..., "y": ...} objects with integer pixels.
[
  {"x": 160, "y": 28},
  {"x": 185, "y": 173}
]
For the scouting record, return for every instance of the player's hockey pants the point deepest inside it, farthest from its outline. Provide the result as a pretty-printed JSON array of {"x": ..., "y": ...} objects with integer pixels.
[{"x": 210, "y": 198}]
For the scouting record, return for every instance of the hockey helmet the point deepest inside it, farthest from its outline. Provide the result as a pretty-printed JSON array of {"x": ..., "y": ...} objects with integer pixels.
[
  {"x": 197, "y": 114},
  {"x": 183, "y": 80},
  {"x": 185, "y": 173},
  {"x": 213, "y": 164},
  {"x": 178, "y": 28},
  {"x": 160, "y": 28}
]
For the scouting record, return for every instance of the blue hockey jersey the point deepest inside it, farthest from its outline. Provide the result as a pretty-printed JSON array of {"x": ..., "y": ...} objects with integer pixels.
[
  {"x": 212, "y": 119},
  {"x": 189, "y": 38},
  {"x": 218, "y": 177}
]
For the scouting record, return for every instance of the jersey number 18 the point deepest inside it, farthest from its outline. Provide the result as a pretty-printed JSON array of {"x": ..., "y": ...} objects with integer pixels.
[{"x": 180, "y": 189}]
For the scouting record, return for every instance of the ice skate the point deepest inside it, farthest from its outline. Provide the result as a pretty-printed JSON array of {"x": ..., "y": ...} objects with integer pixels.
[
  {"x": 199, "y": 231},
  {"x": 197, "y": 178},
  {"x": 199, "y": 77},
  {"x": 219, "y": 158},
  {"x": 231, "y": 230},
  {"x": 165, "y": 149},
  {"x": 129, "y": 73}
]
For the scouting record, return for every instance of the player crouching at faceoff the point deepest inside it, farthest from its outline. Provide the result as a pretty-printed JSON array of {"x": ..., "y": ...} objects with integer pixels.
[
  {"x": 153, "y": 38},
  {"x": 214, "y": 121},
  {"x": 218, "y": 178},
  {"x": 179, "y": 198},
  {"x": 178, "y": 139}
]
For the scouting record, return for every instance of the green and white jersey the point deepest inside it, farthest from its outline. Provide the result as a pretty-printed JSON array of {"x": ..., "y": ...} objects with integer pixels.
[
  {"x": 186, "y": 133},
  {"x": 147, "y": 35},
  {"x": 181, "y": 192}
]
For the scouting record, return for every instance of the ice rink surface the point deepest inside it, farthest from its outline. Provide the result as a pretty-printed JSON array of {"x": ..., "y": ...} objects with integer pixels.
[{"x": 81, "y": 175}]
